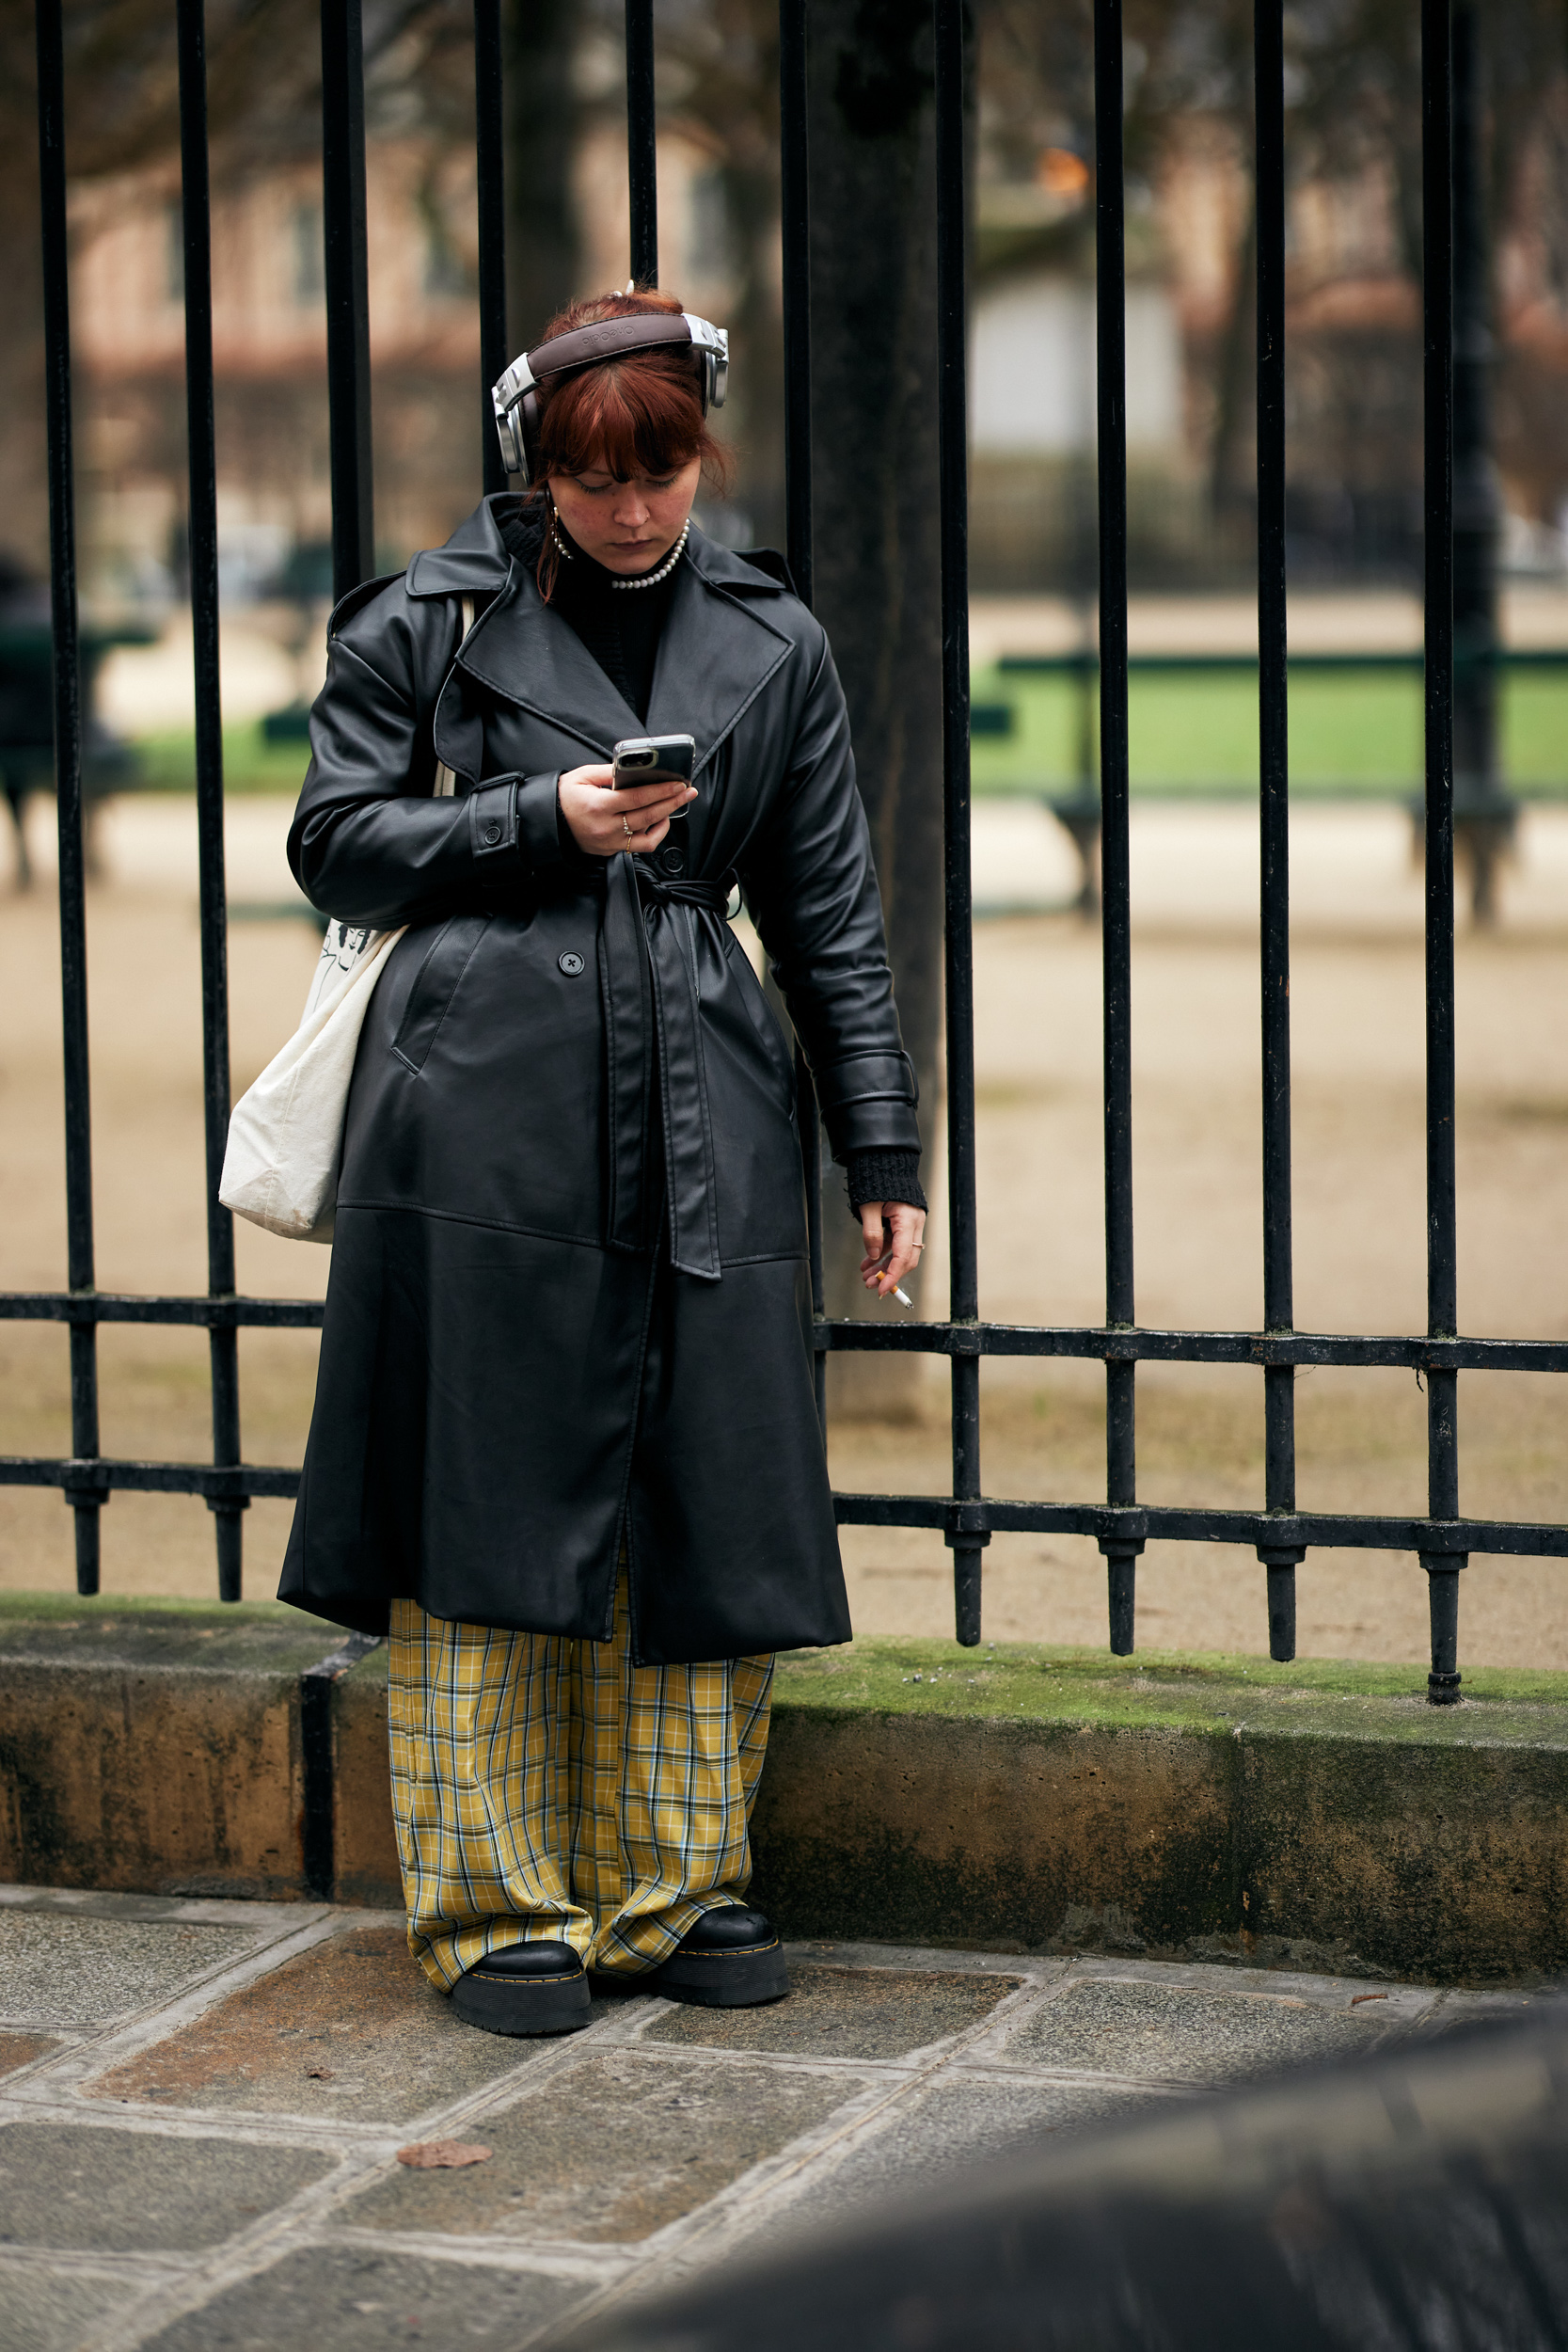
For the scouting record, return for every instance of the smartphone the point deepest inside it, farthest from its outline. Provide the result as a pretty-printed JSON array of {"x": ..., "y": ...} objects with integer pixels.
[{"x": 654, "y": 759}]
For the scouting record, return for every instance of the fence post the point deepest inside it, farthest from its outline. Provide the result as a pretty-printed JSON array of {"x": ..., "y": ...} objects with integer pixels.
[
  {"x": 348, "y": 307},
  {"x": 1279, "y": 1427},
  {"x": 1442, "y": 1236},
  {"x": 222, "y": 1339},
  {"x": 641, "y": 143},
  {"x": 1121, "y": 1488},
  {"x": 84, "y": 1488},
  {"x": 966, "y": 1538}
]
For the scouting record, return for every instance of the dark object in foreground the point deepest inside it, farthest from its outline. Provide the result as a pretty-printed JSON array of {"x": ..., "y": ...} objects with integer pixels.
[{"x": 1417, "y": 2203}]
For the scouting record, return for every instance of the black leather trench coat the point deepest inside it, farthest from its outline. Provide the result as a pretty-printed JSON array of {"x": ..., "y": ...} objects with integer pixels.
[{"x": 568, "y": 1308}]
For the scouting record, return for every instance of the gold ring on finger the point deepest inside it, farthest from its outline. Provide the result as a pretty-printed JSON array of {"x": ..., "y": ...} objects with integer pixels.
[{"x": 626, "y": 822}]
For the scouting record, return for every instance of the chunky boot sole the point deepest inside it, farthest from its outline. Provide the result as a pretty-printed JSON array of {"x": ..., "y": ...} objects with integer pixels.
[
  {"x": 522, "y": 2005},
  {"x": 737, "y": 1980}
]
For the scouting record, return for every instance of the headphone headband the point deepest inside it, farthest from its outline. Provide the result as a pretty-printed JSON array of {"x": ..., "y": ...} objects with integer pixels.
[{"x": 514, "y": 396}]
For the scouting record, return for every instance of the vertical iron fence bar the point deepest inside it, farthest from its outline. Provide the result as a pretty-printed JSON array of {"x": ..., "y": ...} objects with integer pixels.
[
  {"x": 641, "y": 143},
  {"x": 1273, "y": 809},
  {"x": 794, "y": 223},
  {"x": 204, "y": 535},
  {"x": 1485, "y": 811},
  {"x": 348, "y": 312},
  {"x": 1115, "y": 913},
  {"x": 490, "y": 151},
  {"x": 1442, "y": 1275},
  {"x": 85, "y": 1497},
  {"x": 953, "y": 457}
]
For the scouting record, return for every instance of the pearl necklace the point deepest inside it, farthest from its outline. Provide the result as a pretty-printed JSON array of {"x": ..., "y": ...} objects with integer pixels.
[{"x": 649, "y": 580}]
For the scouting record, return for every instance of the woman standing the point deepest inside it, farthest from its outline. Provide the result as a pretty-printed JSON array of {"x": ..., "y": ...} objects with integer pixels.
[{"x": 564, "y": 1449}]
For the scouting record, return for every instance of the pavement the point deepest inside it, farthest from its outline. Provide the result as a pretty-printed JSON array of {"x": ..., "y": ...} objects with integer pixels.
[
  {"x": 1194, "y": 865},
  {"x": 203, "y": 2103}
]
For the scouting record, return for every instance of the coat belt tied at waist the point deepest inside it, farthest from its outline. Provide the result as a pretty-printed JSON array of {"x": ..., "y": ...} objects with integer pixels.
[{"x": 648, "y": 965}]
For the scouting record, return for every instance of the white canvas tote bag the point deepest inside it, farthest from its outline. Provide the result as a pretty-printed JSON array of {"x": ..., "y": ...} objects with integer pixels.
[{"x": 286, "y": 1132}]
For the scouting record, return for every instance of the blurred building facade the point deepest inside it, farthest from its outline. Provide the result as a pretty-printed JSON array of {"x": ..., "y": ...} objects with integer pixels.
[
  {"x": 269, "y": 324},
  {"x": 1353, "y": 361},
  {"x": 1353, "y": 378}
]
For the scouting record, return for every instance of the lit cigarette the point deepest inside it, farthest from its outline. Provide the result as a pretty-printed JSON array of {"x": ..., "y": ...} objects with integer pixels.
[{"x": 902, "y": 1297}]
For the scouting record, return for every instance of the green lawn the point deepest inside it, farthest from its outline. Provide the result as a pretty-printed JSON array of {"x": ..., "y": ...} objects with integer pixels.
[
  {"x": 1349, "y": 735},
  {"x": 249, "y": 765}
]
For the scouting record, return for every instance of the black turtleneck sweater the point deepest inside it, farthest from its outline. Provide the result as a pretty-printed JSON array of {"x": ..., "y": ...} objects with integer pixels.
[{"x": 621, "y": 628}]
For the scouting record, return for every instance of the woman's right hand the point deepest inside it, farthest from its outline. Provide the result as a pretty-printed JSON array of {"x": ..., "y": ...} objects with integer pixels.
[{"x": 602, "y": 822}]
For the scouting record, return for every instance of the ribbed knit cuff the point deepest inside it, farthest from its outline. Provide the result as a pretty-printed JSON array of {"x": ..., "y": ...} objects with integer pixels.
[{"x": 884, "y": 1176}]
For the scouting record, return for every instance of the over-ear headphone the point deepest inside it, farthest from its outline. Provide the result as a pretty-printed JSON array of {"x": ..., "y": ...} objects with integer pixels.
[{"x": 516, "y": 397}]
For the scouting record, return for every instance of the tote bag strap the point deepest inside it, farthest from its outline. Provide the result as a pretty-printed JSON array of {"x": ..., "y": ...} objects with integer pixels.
[{"x": 446, "y": 783}]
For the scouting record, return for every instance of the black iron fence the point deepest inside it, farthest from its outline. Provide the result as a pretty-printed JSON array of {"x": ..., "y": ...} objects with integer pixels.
[{"x": 1280, "y": 1534}]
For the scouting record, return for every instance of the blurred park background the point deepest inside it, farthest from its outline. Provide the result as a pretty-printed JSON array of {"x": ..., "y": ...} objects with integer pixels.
[{"x": 1354, "y": 556}]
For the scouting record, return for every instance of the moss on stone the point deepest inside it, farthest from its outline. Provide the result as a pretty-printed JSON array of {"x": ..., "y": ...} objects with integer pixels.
[
  {"x": 1197, "y": 1692},
  {"x": 61, "y": 1608}
]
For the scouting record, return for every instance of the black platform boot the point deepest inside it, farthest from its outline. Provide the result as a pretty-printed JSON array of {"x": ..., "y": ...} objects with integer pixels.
[
  {"x": 528, "y": 1988},
  {"x": 730, "y": 1960}
]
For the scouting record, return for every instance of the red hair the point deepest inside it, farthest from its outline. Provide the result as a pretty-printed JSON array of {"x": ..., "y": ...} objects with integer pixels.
[{"x": 641, "y": 414}]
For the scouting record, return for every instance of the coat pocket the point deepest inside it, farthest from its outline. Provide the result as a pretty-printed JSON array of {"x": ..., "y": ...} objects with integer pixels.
[
  {"x": 775, "y": 1044},
  {"x": 450, "y": 952}
]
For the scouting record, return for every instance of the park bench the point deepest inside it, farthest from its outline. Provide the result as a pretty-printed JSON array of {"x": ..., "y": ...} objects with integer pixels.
[{"x": 1485, "y": 811}]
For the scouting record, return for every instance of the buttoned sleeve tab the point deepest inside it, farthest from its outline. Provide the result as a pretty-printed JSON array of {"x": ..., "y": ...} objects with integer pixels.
[
  {"x": 493, "y": 820},
  {"x": 538, "y": 829}
]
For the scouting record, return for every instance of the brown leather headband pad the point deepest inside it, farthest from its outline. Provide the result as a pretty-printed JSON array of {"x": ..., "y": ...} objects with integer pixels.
[{"x": 606, "y": 339}]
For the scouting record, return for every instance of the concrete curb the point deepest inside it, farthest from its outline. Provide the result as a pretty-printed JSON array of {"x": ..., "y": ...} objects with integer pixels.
[
  {"x": 167, "y": 1749},
  {"x": 1040, "y": 1801}
]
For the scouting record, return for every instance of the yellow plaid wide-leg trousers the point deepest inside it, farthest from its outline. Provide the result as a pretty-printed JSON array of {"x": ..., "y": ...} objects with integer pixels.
[{"x": 544, "y": 1788}]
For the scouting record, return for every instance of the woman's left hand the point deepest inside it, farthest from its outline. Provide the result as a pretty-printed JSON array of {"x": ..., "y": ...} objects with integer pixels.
[{"x": 895, "y": 1237}]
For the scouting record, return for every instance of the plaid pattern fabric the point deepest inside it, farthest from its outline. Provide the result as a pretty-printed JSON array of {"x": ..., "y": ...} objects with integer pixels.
[{"x": 544, "y": 1788}]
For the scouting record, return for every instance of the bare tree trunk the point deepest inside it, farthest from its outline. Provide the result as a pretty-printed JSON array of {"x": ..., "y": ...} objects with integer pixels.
[
  {"x": 24, "y": 492},
  {"x": 878, "y": 536},
  {"x": 1228, "y": 488},
  {"x": 541, "y": 123},
  {"x": 752, "y": 200}
]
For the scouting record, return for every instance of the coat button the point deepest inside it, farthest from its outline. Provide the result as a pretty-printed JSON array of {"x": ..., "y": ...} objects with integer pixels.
[
  {"x": 672, "y": 861},
  {"x": 492, "y": 833},
  {"x": 570, "y": 964}
]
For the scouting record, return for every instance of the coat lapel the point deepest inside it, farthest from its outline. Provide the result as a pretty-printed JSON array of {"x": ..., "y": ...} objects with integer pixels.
[
  {"x": 715, "y": 657},
  {"x": 530, "y": 656}
]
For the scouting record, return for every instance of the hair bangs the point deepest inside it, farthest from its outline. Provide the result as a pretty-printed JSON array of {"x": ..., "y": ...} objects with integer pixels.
[{"x": 630, "y": 417}]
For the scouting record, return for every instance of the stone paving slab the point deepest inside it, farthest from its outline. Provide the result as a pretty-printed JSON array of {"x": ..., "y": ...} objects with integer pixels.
[
  {"x": 21, "y": 2049},
  {"x": 200, "y": 2127},
  {"x": 1180, "y": 2034},
  {"x": 933, "y": 2139},
  {"x": 841, "y": 2012},
  {"x": 48, "y": 2312},
  {"x": 350, "y": 2029},
  {"x": 59, "y": 1970},
  {"x": 352, "y": 2299},
  {"x": 616, "y": 2148},
  {"x": 105, "y": 2191}
]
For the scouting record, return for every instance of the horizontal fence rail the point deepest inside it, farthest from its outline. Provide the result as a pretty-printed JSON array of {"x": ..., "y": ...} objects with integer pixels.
[
  {"x": 1280, "y": 1534},
  {"x": 1083, "y": 661}
]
